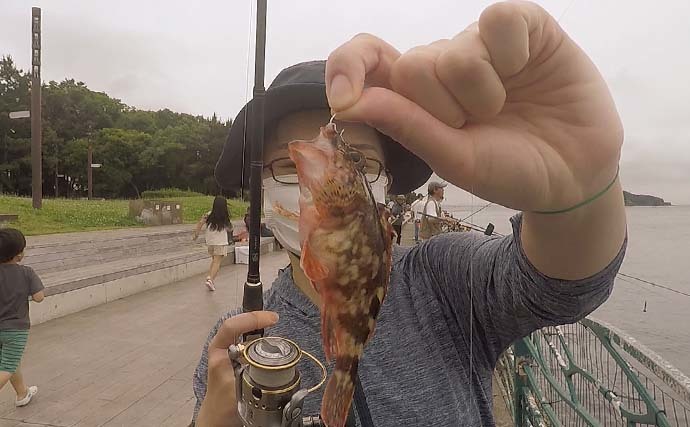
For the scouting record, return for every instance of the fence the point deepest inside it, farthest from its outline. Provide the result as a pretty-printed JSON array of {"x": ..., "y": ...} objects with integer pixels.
[{"x": 591, "y": 374}]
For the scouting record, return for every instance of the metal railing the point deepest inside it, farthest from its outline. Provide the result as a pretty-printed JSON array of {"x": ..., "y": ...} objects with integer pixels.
[{"x": 590, "y": 374}]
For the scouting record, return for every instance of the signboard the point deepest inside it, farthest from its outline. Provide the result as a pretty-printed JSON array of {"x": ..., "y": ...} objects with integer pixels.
[
  {"x": 96, "y": 165},
  {"x": 20, "y": 114}
]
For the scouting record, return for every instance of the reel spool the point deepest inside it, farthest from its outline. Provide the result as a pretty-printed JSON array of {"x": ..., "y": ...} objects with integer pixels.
[{"x": 268, "y": 384}]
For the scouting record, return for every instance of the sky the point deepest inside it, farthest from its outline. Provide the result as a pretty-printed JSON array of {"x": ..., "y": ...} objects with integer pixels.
[{"x": 197, "y": 57}]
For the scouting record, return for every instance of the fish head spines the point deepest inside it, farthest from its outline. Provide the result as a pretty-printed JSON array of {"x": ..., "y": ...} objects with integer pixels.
[
  {"x": 340, "y": 194},
  {"x": 341, "y": 187}
]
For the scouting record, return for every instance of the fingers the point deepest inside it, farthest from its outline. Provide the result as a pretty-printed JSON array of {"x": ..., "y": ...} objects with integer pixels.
[
  {"x": 240, "y": 324},
  {"x": 505, "y": 30},
  {"x": 414, "y": 76},
  {"x": 466, "y": 71},
  {"x": 365, "y": 57},
  {"x": 417, "y": 130}
]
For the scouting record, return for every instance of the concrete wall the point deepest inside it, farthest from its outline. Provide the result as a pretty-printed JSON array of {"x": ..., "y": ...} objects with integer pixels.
[
  {"x": 65, "y": 303},
  {"x": 75, "y": 300}
]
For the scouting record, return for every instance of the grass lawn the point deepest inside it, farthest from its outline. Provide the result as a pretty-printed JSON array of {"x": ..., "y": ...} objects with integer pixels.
[{"x": 67, "y": 215}]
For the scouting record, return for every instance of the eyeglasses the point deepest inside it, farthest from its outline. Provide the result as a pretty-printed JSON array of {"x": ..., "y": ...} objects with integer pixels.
[{"x": 281, "y": 169}]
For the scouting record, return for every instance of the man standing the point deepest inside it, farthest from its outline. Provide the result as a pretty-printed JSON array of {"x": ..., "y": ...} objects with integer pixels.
[
  {"x": 397, "y": 215},
  {"x": 431, "y": 220}
]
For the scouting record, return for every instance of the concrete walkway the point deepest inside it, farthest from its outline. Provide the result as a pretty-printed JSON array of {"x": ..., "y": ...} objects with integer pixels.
[{"x": 129, "y": 362}]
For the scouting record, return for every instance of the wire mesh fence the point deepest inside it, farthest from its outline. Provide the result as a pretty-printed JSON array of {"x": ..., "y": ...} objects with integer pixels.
[{"x": 590, "y": 374}]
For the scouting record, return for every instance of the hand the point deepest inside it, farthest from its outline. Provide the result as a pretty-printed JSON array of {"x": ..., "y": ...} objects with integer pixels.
[
  {"x": 510, "y": 109},
  {"x": 218, "y": 408},
  {"x": 195, "y": 236}
]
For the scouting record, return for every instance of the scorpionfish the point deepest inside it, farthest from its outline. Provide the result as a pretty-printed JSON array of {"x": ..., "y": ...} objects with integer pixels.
[{"x": 346, "y": 242}]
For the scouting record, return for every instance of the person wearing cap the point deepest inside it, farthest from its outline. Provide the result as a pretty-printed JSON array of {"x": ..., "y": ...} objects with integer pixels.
[
  {"x": 510, "y": 109},
  {"x": 432, "y": 220}
]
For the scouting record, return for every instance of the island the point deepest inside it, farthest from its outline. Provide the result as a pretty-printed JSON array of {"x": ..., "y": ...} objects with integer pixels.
[{"x": 643, "y": 200}]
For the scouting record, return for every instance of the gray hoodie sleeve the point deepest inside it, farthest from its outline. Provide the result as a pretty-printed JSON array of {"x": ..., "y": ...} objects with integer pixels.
[{"x": 489, "y": 283}]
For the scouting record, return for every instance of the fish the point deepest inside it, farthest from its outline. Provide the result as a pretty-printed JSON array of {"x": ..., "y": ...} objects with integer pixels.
[{"x": 346, "y": 253}]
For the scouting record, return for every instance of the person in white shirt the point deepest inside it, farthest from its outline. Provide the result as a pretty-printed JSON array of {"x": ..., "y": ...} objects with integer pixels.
[
  {"x": 432, "y": 218},
  {"x": 416, "y": 209},
  {"x": 218, "y": 236}
]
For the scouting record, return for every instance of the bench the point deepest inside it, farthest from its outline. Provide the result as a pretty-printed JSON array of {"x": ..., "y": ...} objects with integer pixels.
[{"x": 8, "y": 218}]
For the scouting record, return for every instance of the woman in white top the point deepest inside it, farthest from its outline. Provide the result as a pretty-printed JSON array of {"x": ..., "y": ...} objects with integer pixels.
[{"x": 218, "y": 229}]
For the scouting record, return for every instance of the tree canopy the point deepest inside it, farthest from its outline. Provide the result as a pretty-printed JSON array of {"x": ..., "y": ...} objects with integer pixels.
[{"x": 139, "y": 150}]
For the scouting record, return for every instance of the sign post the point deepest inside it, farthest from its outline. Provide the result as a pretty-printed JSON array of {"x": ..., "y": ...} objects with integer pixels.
[{"x": 36, "y": 167}]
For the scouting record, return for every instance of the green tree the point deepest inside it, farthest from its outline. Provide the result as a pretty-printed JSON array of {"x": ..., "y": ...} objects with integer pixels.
[{"x": 140, "y": 150}]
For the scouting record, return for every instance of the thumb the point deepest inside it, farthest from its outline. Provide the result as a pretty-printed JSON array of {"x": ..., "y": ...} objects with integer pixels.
[
  {"x": 235, "y": 326},
  {"x": 448, "y": 151}
]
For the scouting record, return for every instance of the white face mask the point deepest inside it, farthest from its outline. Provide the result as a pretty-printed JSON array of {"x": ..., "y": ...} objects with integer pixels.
[{"x": 281, "y": 208}]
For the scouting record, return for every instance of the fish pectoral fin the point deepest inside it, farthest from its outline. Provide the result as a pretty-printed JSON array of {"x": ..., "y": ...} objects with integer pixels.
[
  {"x": 328, "y": 333},
  {"x": 312, "y": 268}
]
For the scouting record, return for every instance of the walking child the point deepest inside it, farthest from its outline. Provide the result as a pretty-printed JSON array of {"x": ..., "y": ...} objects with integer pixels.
[
  {"x": 218, "y": 236},
  {"x": 17, "y": 284}
]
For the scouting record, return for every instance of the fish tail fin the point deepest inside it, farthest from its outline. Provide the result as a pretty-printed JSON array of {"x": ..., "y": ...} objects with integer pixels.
[{"x": 337, "y": 398}]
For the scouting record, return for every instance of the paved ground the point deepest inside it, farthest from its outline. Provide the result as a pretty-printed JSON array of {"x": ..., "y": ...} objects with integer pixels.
[{"x": 127, "y": 363}]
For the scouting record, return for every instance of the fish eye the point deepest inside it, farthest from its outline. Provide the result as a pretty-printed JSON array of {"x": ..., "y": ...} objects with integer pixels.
[{"x": 356, "y": 157}]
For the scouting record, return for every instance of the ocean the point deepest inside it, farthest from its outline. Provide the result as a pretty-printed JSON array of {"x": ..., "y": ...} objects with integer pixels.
[{"x": 658, "y": 252}]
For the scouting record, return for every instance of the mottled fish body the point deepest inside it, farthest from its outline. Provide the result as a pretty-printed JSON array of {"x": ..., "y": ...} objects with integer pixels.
[{"x": 346, "y": 242}]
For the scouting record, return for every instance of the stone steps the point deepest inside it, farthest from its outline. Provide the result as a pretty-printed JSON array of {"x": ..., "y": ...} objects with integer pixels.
[{"x": 82, "y": 270}]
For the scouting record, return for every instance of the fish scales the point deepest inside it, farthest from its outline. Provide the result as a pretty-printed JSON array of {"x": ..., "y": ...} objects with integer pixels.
[{"x": 346, "y": 254}]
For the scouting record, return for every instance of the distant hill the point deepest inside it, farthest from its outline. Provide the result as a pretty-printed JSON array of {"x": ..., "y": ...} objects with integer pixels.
[{"x": 643, "y": 200}]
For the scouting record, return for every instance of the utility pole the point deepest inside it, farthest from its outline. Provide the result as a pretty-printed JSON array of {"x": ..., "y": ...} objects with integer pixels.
[
  {"x": 4, "y": 141},
  {"x": 36, "y": 167},
  {"x": 57, "y": 157},
  {"x": 89, "y": 172}
]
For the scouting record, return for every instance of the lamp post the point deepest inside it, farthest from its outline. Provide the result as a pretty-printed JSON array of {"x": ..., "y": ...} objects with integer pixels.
[{"x": 36, "y": 167}]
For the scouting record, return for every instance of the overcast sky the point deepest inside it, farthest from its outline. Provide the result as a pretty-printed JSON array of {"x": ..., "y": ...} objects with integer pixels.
[{"x": 192, "y": 56}]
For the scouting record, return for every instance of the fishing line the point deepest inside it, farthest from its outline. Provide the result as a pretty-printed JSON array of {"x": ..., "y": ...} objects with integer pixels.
[
  {"x": 639, "y": 285},
  {"x": 656, "y": 285},
  {"x": 565, "y": 11},
  {"x": 246, "y": 97},
  {"x": 476, "y": 212},
  {"x": 472, "y": 254},
  {"x": 244, "y": 131}
]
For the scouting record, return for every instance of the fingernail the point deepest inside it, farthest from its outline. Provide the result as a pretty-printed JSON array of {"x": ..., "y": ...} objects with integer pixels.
[
  {"x": 275, "y": 317},
  {"x": 340, "y": 92}
]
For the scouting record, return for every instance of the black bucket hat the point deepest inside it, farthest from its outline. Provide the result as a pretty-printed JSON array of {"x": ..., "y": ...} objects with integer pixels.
[{"x": 298, "y": 88}]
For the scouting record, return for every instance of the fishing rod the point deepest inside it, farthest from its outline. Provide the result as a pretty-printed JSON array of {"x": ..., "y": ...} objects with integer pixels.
[
  {"x": 252, "y": 298},
  {"x": 488, "y": 230},
  {"x": 477, "y": 211},
  {"x": 269, "y": 389}
]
